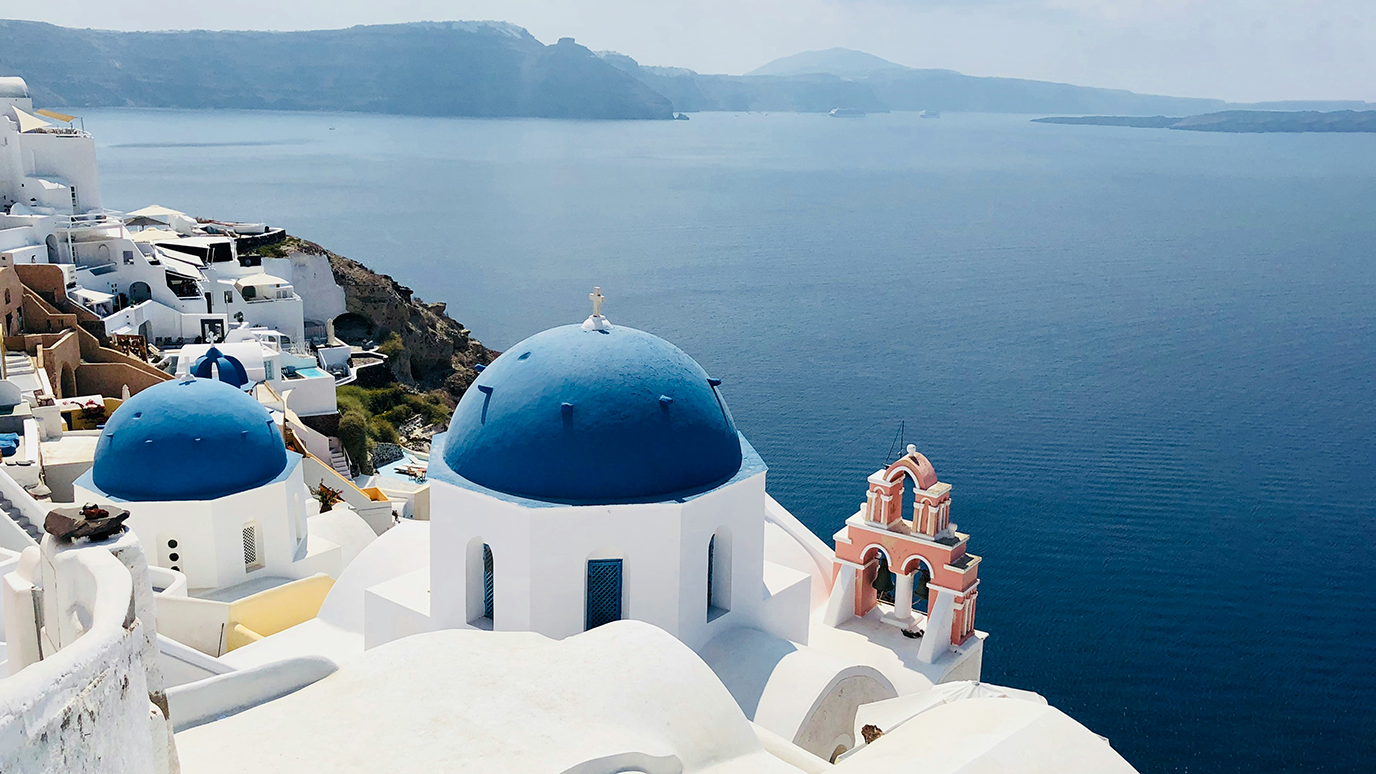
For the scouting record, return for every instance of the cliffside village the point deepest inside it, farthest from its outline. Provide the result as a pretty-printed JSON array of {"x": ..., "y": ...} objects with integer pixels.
[{"x": 582, "y": 571}]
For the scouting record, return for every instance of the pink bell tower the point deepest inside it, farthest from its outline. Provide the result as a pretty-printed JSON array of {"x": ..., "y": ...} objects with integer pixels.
[{"x": 925, "y": 544}]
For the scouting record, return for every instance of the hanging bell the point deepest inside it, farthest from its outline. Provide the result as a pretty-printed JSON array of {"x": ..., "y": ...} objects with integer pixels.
[
  {"x": 920, "y": 588},
  {"x": 883, "y": 580}
]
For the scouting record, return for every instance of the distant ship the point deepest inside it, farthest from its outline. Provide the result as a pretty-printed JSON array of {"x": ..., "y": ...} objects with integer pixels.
[
  {"x": 680, "y": 116},
  {"x": 928, "y": 114},
  {"x": 847, "y": 113}
]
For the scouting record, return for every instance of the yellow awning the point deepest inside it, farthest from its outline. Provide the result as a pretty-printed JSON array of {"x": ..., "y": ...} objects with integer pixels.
[
  {"x": 28, "y": 123},
  {"x": 54, "y": 114}
]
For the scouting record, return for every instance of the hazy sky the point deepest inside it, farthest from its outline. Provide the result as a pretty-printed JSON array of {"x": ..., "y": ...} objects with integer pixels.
[{"x": 1240, "y": 50}]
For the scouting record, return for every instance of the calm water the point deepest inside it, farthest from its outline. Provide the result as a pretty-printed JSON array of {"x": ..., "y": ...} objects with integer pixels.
[{"x": 1144, "y": 359}]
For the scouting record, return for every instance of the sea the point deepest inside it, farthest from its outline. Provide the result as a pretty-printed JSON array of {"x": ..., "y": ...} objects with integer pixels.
[{"x": 1144, "y": 359}]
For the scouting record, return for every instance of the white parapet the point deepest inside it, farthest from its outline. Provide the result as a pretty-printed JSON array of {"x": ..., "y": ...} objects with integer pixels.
[{"x": 85, "y": 692}]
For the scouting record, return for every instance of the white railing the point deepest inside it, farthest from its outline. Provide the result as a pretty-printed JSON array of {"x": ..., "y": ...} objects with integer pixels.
[{"x": 106, "y": 219}]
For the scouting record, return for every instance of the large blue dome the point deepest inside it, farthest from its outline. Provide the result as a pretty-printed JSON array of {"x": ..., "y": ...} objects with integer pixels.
[
  {"x": 195, "y": 439},
  {"x": 593, "y": 417}
]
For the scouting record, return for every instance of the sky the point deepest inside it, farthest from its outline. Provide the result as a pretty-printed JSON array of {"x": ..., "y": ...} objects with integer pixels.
[{"x": 1238, "y": 50}]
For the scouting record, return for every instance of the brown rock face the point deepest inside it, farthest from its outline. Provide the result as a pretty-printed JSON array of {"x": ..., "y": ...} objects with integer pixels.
[{"x": 436, "y": 352}]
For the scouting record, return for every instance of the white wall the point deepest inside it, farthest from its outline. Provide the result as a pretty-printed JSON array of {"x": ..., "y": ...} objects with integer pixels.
[
  {"x": 70, "y": 158},
  {"x": 540, "y": 559},
  {"x": 85, "y": 707},
  {"x": 322, "y": 298},
  {"x": 209, "y": 533},
  {"x": 309, "y": 395}
]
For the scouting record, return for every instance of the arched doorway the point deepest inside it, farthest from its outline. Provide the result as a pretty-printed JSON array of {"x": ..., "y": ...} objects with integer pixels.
[
  {"x": 481, "y": 583},
  {"x": 719, "y": 573},
  {"x": 139, "y": 292},
  {"x": 51, "y": 242},
  {"x": 102, "y": 253}
]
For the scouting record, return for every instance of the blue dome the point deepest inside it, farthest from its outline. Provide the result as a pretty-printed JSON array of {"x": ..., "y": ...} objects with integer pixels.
[
  {"x": 195, "y": 439},
  {"x": 215, "y": 363},
  {"x": 593, "y": 417}
]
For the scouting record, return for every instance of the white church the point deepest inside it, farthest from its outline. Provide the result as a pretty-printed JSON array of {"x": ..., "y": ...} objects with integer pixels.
[{"x": 604, "y": 584}]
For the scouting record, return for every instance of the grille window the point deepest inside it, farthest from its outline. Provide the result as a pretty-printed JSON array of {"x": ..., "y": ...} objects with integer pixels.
[
  {"x": 487, "y": 581},
  {"x": 604, "y": 592},
  {"x": 251, "y": 559},
  {"x": 711, "y": 569}
]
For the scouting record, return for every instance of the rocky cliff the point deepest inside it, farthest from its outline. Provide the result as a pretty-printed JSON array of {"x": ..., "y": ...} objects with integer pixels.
[
  {"x": 432, "y": 69},
  {"x": 430, "y": 349}
]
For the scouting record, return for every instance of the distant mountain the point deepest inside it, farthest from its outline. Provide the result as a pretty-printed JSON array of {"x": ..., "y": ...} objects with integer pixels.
[
  {"x": 694, "y": 92},
  {"x": 944, "y": 90},
  {"x": 907, "y": 88},
  {"x": 499, "y": 69},
  {"x": 445, "y": 69},
  {"x": 1238, "y": 121},
  {"x": 841, "y": 62}
]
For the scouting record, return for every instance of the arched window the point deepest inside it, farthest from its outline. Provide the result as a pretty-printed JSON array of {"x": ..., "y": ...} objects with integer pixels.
[
  {"x": 603, "y": 592},
  {"x": 481, "y": 591},
  {"x": 719, "y": 573}
]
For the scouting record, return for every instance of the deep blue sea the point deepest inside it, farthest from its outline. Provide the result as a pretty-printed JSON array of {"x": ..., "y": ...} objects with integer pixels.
[{"x": 1145, "y": 360}]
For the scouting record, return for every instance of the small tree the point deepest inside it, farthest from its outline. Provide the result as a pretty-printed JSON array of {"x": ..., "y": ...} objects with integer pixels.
[{"x": 353, "y": 434}]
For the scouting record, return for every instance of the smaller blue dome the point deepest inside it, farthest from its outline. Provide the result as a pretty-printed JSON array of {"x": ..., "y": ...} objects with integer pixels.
[
  {"x": 231, "y": 371},
  {"x": 593, "y": 417},
  {"x": 195, "y": 439}
]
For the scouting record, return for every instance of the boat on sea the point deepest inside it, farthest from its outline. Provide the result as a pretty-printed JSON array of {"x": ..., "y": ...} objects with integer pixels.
[
  {"x": 846, "y": 113},
  {"x": 928, "y": 114}
]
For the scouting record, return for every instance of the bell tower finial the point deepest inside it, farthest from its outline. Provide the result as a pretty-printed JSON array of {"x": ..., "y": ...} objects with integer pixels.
[{"x": 596, "y": 322}]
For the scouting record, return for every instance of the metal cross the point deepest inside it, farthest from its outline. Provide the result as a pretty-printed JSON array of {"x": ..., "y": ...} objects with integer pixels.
[{"x": 597, "y": 299}]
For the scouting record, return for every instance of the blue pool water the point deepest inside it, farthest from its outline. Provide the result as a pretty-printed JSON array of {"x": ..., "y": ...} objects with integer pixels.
[
  {"x": 311, "y": 372},
  {"x": 1146, "y": 360}
]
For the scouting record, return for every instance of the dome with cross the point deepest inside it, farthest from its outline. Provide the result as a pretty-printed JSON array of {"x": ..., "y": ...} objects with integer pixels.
[{"x": 593, "y": 414}]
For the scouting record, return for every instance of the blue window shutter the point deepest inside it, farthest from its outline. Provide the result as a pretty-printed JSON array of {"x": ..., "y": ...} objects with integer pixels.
[
  {"x": 604, "y": 592},
  {"x": 711, "y": 557},
  {"x": 487, "y": 581}
]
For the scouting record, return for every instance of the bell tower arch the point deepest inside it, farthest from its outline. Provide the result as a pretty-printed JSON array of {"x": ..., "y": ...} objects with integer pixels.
[{"x": 923, "y": 550}]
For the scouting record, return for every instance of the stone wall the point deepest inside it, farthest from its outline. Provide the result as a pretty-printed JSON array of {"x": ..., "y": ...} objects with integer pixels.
[
  {"x": 110, "y": 379},
  {"x": 96, "y": 369}
]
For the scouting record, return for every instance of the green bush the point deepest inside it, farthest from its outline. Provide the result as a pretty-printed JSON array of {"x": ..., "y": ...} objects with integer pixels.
[
  {"x": 392, "y": 345},
  {"x": 382, "y": 431},
  {"x": 353, "y": 433},
  {"x": 374, "y": 414}
]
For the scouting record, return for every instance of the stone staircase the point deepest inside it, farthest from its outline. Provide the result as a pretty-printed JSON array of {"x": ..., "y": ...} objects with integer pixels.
[
  {"x": 35, "y": 531},
  {"x": 339, "y": 460}
]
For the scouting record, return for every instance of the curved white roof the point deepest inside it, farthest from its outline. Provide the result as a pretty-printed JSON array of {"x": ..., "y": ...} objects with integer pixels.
[
  {"x": 622, "y": 697},
  {"x": 13, "y": 87}
]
